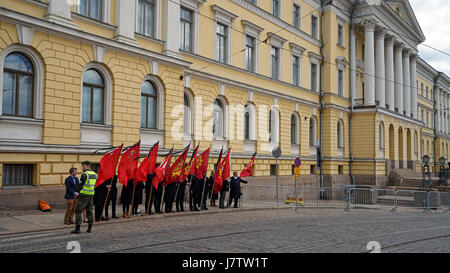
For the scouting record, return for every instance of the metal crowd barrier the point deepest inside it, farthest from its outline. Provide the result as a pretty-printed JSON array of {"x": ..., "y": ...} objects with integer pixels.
[{"x": 347, "y": 197}]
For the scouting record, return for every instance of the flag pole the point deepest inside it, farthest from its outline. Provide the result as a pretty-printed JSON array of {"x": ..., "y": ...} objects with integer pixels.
[
  {"x": 162, "y": 198},
  {"x": 149, "y": 199},
  {"x": 132, "y": 200},
  {"x": 203, "y": 192},
  {"x": 106, "y": 199}
]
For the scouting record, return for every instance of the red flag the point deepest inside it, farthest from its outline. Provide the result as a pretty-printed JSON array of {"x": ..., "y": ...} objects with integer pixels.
[
  {"x": 161, "y": 170},
  {"x": 201, "y": 164},
  {"x": 128, "y": 163},
  {"x": 189, "y": 168},
  {"x": 249, "y": 169},
  {"x": 148, "y": 165},
  {"x": 108, "y": 165},
  {"x": 226, "y": 166},
  {"x": 176, "y": 170},
  {"x": 218, "y": 173}
]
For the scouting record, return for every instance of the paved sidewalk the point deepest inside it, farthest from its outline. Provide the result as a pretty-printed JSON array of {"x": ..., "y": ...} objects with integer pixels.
[{"x": 13, "y": 222}]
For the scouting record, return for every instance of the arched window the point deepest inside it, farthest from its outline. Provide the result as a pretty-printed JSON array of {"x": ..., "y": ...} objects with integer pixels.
[
  {"x": 312, "y": 131},
  {"x": 93, "y": 97},
  {"x": 218, "y": 119},
  {"x": 18, "y": 86},
  {"x": 340, "y": 135},
  {"x": 149, "y": 98},
  {"x": 187, "y": 118},
  {"x": 381, "y": 136},
  {"x": 295, "y": 128},
  {"x": 246, "y": 125}
]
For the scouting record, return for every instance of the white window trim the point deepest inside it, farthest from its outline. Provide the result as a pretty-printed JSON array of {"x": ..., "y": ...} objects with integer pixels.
[
  {"x": 160, "y": 100},
  {"x": 226, "y": 18},
  {"x": 39, "y": 72},
  {"x": 297, "y": 128},
  {"x": 317, "y": 27},
  {"x": 340, "y": 22},
  {"x": 297, "y": 4},
  {"x": 252, "y": 30},
  {"x": 275, "y": 127},
  {"x": 190, "y": 132},
  {"x": 106, "y": 12},
  {"x": 224, "y": 118},
  {"x": 107, "y": 78},
  {"x": 157, "y": 24},
  {"x": 276, "y": 41},
  {"x": 279, "y": 8},
  {"x": 194, "y": 6},
  {"x": 298, "y": 52},
  {"x": 314, "y": 136},
  {"x": 340, "y": 138},
  {"x": 315, "y": 59}
]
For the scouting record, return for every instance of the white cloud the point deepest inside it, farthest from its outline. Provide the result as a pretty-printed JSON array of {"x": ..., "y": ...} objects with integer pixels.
[{"x": 434, "y": 19}]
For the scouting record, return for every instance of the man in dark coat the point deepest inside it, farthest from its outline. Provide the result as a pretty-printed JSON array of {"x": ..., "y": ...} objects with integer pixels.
[
  {"x": 112, "y": 197},
  {"x": 223, "y": 193},
  {"x": 99, "y": 200},
  {"x": 204, "y": 193},
  {"x": 158, "y": 197},
  {"x": 193, "y": 193},
  {"x": 169, "y": 195},
  {"x": 138, "y": 193},
  {"x": 149, "y": 188},
  {"x": 211, "y": 194},
  {"x": 71, "y": 184},
  {"x": 235, "y": 189},
  {"x": 125, "y": 198},
  {"x": 179, "y": 195}
]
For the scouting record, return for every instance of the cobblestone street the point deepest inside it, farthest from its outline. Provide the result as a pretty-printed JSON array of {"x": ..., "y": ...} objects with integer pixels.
[{"x": 268, "y": 230}]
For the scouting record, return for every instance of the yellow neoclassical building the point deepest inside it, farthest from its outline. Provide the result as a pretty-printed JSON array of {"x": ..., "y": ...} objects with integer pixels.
[{"x": 250, "y": 75}]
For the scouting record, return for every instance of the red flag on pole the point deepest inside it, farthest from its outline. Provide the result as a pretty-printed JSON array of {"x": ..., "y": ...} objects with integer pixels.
[
  {"x": 161, "y": 170},
  {"x": 218, "y": 173},
  {"x": 176, "y": 170},
  {"x": 226, "y": 166},
  {"x": 201, "y": 164},
  {"x": 189, "y": 168},
  {"x": 148, "y": 165},
  {"x": 108, "y": 165},
  {"x": 249, "y": 168},
  {"x": 128, "y": 163}
]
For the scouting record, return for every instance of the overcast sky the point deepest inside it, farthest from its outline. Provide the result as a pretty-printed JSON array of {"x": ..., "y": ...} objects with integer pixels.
[{"x": 434, "y": 19}]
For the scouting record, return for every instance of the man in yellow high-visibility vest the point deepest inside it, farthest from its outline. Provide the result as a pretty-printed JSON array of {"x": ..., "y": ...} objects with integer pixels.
[{"x": 85, "y": 198}]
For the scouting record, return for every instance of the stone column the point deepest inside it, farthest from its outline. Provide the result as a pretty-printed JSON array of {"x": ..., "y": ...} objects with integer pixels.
[
  {"x": 172, "y": 27},
  {"x": 369, "y": 64},
  {"x": 59, "y": 12},
  {"x": 390, "y": 72},
  {"x": 414, "y": 90},
  {"x": 380, "y": 85},
  {"x": 125, "y": 26},
  {"x": 406, "y": 84},
  {"x": 398, "y": 78}
]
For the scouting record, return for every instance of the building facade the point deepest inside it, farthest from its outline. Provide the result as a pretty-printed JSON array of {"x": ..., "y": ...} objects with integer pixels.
[{"x": 250, "y": 75}]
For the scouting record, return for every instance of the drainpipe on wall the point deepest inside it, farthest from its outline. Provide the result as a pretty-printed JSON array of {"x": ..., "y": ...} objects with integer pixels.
[
  {"x": 322, "y": 60},
  {"x": 352, "y": 89},
  {"x": 436, "y": 113}
]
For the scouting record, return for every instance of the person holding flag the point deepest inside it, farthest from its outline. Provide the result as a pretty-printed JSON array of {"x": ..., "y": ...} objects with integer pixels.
[
  {"x": 158, "y": 179},
  {"x": 221, "y": 181},
  {"x": 200, "y": 169},
  {"x": 248, "y": 171},
  {"x": 181, "y": 187},
  {"x": 146, "y": 172},
  {"x": 212, "y": 196},
  {"x": 127, "y": 168},
  {"x": 174, "y": 175}
]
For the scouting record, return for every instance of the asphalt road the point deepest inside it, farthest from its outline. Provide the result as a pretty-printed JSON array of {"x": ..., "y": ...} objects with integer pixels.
[{"x": 271, "y": 230}]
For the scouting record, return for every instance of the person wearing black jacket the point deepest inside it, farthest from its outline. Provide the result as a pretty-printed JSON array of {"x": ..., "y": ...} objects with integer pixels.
[
  {"x": 235, "y": 189},
  {"x": 71, "y": 184},
  {"x": 179, "y": 200},
  {"x": 193, "y": 193},
  {"x": 99, "y": 200},
  {"x": 223, "y": 193},
  {"x": 158, "y": 197},
  {"x": 125, "y": 198},
  {"x": 138, "y": 193},
  {"x": 149, "y": 188},
  {"x": 169, "y": 195},
  {"x": 204, "y": 193},
  {"x": 112, "y": 197},
  {"x": 211, "y": 194}
]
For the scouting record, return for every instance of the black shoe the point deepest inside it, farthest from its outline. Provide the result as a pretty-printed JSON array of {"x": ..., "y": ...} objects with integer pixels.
[
  {"x": 77, "y": 230},
  {"x": 89, "y": 230},
  {"x": 196, "y": 209}
]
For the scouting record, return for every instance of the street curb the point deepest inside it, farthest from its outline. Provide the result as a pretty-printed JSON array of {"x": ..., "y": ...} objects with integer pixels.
[{"x": 141, "y": 218}]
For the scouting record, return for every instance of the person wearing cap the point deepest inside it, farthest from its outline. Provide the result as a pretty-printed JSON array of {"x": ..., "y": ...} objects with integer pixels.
[{"x": 85, "y": 197}]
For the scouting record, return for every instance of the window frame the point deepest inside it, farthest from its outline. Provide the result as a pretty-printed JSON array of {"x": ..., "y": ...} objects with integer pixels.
[
  {"x": 191, "y": 30},
  {"x": 153, "y": 3},
  {"x": 17, "y": 87},
  {"x": 277, "y": 12},
  {"x": 296, "y": 20},
  {"x": 314, "y": 26},
  {"x": 91, "y": 90},
  {"x": 155, "y": 110}
]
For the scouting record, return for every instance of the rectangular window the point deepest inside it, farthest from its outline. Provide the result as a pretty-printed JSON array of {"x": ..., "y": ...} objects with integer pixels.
[
  {"x": 250, "y": 53},
  {"x": 146, "y": 17},
  {"x": 340, "y": 82},
  {"x": 276, "y": 8},
  {"x": 186, "y": 22},
  {"x": 363, "y": 51},
  {"x": 427, "y": 119},
  {"x": 91, "y": 8},
  {"x": 92, "y": 107},
  {"x": 312, "y": 169},
  {"x": 314, "y": 26},
  {"x": 340, "y": 169},
  {"x": 340, "y": 35},
  {"x": 314, "y": 77},
  {"x": 296, "y": 16},
  {"x": 427, "y": 93},
  {"x": 421, "y": 89},
  {"x": 273, "y": 169},
  {"x": 295, "y": 70},
  {"x": 275, "y": 61},
  {"x": 17, "y": 174},
  {"x": 221, "y": 43}
]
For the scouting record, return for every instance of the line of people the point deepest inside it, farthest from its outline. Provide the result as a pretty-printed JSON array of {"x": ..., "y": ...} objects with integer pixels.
[{"x": 161, "y": 200}]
